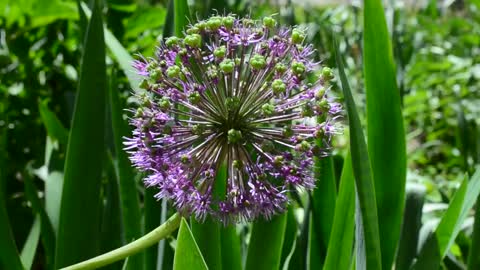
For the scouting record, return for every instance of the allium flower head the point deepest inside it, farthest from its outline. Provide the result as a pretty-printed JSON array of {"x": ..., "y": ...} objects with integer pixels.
[{"x": 228, "y": 122}]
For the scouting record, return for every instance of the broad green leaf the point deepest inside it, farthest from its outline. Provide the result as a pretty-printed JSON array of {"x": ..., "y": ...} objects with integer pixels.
[
  {"x": 474, "y": 253},
  {"x": 30, "y": 247},
  {"x": 53, "y": 197},
  {"x": 290, "y": 237},
  {"x": 111, "y": 227},
  {"x": 79, "y": 223},
  {"x": 181, "y": 16},
  {"x": 266, "y": 242},
  {"x": 9, "y": 257},
  {"x": 386, "y": 135},
  {"x": 208, "y": 233},
  {"x": 438, "y": 243},
  {"x": 231, "y": 254},
  {"x": 120, "y": 54},
  {"x": 323, "y": 205},
  {"x": 187, "y": 253},
  {"x": 53, "y": 125},
  {"x": 169, "y": 24},
  {"x": 130, "y": 204},
  {"x": 48, "y": 234},
  {"x": 340, "y": 246},
  {"x": 363, "y": 179},
  {"x": 412, "y": 222}
]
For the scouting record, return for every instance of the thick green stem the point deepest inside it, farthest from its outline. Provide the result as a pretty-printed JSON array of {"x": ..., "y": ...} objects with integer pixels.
[{"x": 134, "y": 247}]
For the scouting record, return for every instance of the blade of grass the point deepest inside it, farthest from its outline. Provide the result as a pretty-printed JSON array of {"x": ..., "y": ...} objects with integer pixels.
[
  {"x": 231, "y": 256},
  {"x": 79, "y": 224},
  {"x": 386, "y": 135},
  {"x": 474, "y": 253},
  {"x": 412, "y": 222},
  {"x": 300, "y": 255},
  {"x": 363, "y": 179},
  {"x": 290, "y": 237},
  {"x": 30, "y": 247},
  {"x": 9, "y": 257},
  {"x": 130, "y": 203},
  {"x": 438, "y": 243},
  {"x": 266, "y": 242},
  {"x": 340, "y": 246},
  {"x": 187, "y": 254}
]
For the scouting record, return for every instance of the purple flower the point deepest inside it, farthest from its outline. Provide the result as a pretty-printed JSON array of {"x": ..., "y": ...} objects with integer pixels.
[{"x": 226, "y": 126}]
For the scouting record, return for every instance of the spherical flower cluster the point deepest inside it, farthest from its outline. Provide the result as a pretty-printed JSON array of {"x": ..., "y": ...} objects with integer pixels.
[{"x": 231, "y": 118}]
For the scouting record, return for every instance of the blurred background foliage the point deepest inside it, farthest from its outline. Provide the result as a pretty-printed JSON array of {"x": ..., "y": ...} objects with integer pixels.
[{"x": 436, "y": 50}]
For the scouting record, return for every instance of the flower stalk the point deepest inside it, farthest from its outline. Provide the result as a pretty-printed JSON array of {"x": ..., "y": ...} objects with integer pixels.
[{"x": 132, "y": 248}]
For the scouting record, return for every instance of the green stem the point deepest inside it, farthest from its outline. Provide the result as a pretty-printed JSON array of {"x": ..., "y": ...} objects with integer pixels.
[{"x": 138, "y": 245}]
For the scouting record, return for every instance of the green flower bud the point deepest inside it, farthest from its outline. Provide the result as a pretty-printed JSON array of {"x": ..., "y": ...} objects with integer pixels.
[
  {"x": 227, "y": 65},
  {"x": 156, "y": 74},
  {"x": 172, "y": 41},
  {"x": 198, "y": 129},
  {"x": 193, "y": 40},
  {"x": 278, "y": 87},
  {"x": 194, "y": 97},
  {"x": 278, "y": 160},
  {"x": 173, "y": 71},
  {"x": 258, "y": 62},
  {"x": 220, "y": 52},
  {"x": 144, "y": 84},
  {"x": 228, "y": 21},
  {"x": 185, "y": 159},
  {"x": 193, "y": 30},
  {"x": 297, "y": 36},
  {"x": 298, "y": 68},
  {"x": 320, "y": 93},
  {"x": 201, "y": 25},
  {"x": 303, "y": 146},
  {"x": 280, "y": 68},
  {"x": 237, "y": 164},
  {"x": 234, "y": 136},
  {"x": 269, "y": 22},
  {"x": 327, "y": 73},
  {"x": 268, "y": 109},
  {"x": 214, "y": 23},
  {"x": 164, "y": 103},
  {"x": 267, "y": 146},
  {"x": 232, "y": 103}
]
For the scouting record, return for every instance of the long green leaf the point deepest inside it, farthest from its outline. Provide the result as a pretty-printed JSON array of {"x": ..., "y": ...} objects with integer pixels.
[
  {"x": 30, "y": 247},
  {"x": 340, "y": 247},
  {"x": 438, "y": 243},
  {"x": 129, "y": 200},
  {"x": 187, "y": 254},
  {"x": 231, "y": 254},
  {"x": 412, "y": 222},
  {"x": 48, "y": 234},
  {"x": 122, "y": 56},
  {"x": 53, "y": 125},
  {"x": 266, "y": 242},
  {"x": 9, "y": 257},
  {"x": 474, "y": 254},
  {"x": 182, "y": 15},
  {"x": 363, "y": 178},
  {"x": 289, "y": 241},
  {"x": 79, "y": 224},
  {"x": 386, "y": 135}
]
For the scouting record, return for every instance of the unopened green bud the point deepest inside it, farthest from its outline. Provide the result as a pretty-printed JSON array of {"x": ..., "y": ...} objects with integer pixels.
[
  {"x": 278, "y": 160},
  {"x": 268, "y": 109},
  {"x": 214, "y": 23},
  {"x": 227, "y": 65},
  {"x": 144, "y": 84},
  {"x": 156, "y": 74},
  {"x": 269, "y": 22},
  {"x": 198, "y": 129},
  {"x": 220, "y": 52},
  {"x": 193, "y": 30},
  {"x": 320, "y": 93},
  {"x": 234, "y": 136},
  {"x": 280, "y": 68},
  {"x": 193, "y": 40},
  {"x": 173, "y": 71},
  {"x": 278, "y": 87},
  {"x": 172, "y": 41},
  {"x": 258, "y": 61},
  {"x": 297, "y": 36},
  {"x": 164, "y": 103},
  {"x": 232, "y": 103},
  {"x": 303, "y": 146},
  {"x": 194, "y": 97},
  {"x": 228, "y": 21},
  {"x": 327, "y": 73},
  {"x": 268, "y": 146},
  {"x": 298, "y": 68},
  {"x": 237, "y": 164}
]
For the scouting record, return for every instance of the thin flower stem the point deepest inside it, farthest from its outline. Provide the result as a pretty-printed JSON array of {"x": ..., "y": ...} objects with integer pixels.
[{"x": 130, "y": 249}]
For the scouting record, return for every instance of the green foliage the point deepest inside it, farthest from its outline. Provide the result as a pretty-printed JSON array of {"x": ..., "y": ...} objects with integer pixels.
[
  {"x": 188, "y": 254},
  {"x": 83, "y": 166}
]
